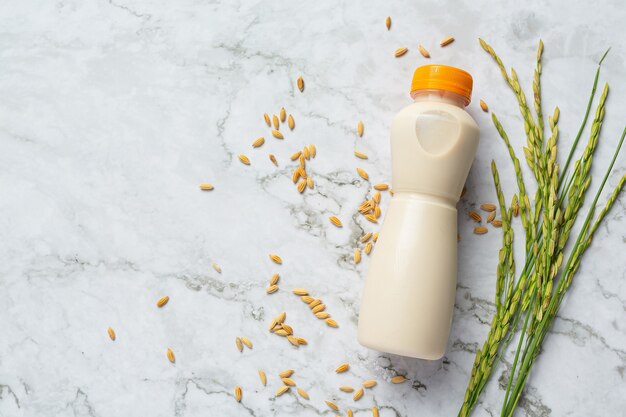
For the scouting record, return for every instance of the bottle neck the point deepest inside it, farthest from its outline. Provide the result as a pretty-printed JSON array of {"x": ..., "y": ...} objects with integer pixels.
[{"x": 439, "y": 96}]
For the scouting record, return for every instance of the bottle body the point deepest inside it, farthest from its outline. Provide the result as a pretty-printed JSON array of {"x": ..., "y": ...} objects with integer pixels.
[{"x": 409, "y": 293}]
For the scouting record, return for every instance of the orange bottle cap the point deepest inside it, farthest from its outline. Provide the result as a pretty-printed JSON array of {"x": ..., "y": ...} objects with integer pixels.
[{"x": 443, "y": 77}]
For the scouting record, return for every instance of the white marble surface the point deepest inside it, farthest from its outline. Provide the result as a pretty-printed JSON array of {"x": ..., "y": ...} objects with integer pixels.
[{"x": 111, "y": 114}]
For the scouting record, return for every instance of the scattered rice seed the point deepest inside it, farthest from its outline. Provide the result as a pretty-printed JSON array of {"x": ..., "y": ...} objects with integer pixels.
[
  {"x": 282, "y": 390},
  {"x": 238, "y": 393},
  {"x": 359, "y": 128},
  {"x": 368, "y": 248},
  {"x": 307, "y": 299},
  {"x": 423, "y": 51},
  {"x": 293, "y": 340},
  {"x": 273, "y": 159},
  {"x": 358, "y": 394},
  {"x": 377, "y": 211},
  {"x": 312, "y": 150},
  {"x": 305, "y": 152},
  {"x": 335, "y": 220},
  {"x": 282, "y": 332},
  {"x": 283, "y": 114},
  {"x": 287, "y": 328},
  {"x": 290, "y": 122},
  {"x": 267, "y": 119},
  {"x": 300, "y": 291},
  {"x": 446, "y": 41},
  {"x": 258, "y": 142},
  {"x": 400, "y": 51},
  {"x": 365, "y": 237},
  {"x": 371, "y": 218},
  {"x": 363, "y": 174},
  {"x": 376, "y": 197},
  {"x": 375, "y": 412},
  {"x": 346, "y": 388},
  {"x": 286, "y": 373},
  {"x": 301, "y": 161},
  {"x": 170, "y": 355},
  {"x": 303, "y": 393},
  {"x": 277, "y": 134},
  {"x": 273, "y": 324},
  {"x": 300, "y": 84},
  {"x": 111, "y": 333},
  {"x": 496, "y": 223},
  {"x": 370, "y": 383},
  {"x": 357, "y": 256},
  {"x": 381, "y": 187},
  {"x": 302, "y": 341},
  {"x": 280, "y": 319},
  {"x": 275, "y": 258},
  {"x": 318, "y": 308},
  {"x": 488, "y": 207},
  {"x": 275, "y": 122},
  {"x": 388, "y": 22},
  {"x": 309, "y": 183},
  {"x": 289, "y": 382},
  {"x": 398, "y": 379},
  {"x": 360, "y": 155},
  {"x": 274, "y": 280},
  {"x": 295, "y": 176},
  {"x": 375, "y": 236},
  {"x": 239, "y": 344},
  {"x": 263, "y": 377},
  {"x": 271, "y": 289},
  {"x": 301, "y": 186},
  {"x": 349, "y": 413},
  {"x": 331, "y": 323},
  {"x": 315, "y": 303},
  {"x": 483, "y": 106},
  {"x": 365, "y": 207},
  {"x": 491, "y": 216},
  {"x": 217, "y": 268},
  {"x": 295, "y": 155},
  {"x": 480, "y": 230},
  {"x": 475, "y": 216},
  {"x": 246, "y": 342},
  {"x": 244, "y": 159},
  {"x": 162, "y": 301},
  {"x": 332, "y": 405},
  {"x": 322, "y": 315},
  {"x": 342, "y": 368},
  {"x": 205, "y": 186}
]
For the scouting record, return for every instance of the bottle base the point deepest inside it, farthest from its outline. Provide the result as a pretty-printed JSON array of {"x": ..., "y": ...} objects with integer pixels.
[{"x": 389, "y": 347}]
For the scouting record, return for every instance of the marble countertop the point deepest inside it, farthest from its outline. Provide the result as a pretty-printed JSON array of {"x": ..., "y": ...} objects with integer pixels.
[{"x": 112, "y": 113}]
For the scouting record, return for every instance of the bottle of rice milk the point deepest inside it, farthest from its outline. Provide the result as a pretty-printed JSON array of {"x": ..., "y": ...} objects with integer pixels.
[{"x": 409, "y": 293}]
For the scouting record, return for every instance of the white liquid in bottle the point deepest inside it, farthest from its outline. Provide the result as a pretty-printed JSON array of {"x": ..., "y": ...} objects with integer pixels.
[{"x": 409, "y": 293}]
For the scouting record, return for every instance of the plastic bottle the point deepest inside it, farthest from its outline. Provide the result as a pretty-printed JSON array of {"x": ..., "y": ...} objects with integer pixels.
[{"x": 409, "y": 293}]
